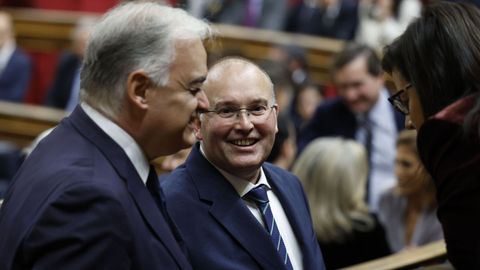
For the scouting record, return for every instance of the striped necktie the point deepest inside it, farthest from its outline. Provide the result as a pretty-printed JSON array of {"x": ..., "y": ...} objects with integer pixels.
[{"x": 259, "y": 196}]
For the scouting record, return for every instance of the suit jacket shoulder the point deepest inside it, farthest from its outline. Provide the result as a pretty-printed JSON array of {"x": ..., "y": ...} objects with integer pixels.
[{"x": 78, "y": 203}]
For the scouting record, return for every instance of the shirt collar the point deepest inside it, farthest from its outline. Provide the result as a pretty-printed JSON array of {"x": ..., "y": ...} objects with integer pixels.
[
  {"x": 242, "y": 186},
  {"x": 122, "y": 138}
]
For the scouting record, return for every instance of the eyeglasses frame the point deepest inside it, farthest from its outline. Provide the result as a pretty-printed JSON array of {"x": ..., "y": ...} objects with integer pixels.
[{"x": 398, "y": 103}]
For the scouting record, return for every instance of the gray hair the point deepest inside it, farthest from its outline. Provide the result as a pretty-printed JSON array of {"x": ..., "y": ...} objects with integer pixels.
[
  {"x": 130, "y": 37},
  {"x": 334, "y": 172}
]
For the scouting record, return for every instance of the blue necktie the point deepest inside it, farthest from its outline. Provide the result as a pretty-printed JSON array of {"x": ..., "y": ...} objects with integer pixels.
[
  {"x": 366, "y": 138},
  {"x": 259, "y": 196}
]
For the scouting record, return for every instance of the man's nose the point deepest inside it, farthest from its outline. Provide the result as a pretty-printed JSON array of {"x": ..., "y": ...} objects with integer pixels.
[
  {"x": 203, "y": 103},
  {"x": 243, "y": 120}
]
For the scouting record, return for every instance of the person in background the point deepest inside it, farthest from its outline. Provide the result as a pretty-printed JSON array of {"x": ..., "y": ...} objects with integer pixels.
[
  {"x": 435, "y": 65},
  {"x": 234, "y": 210},
  {"x": 336, "y": 19},
  {"x": 307, "y": 99},
  {"x": 381, "y": 21},
  {"x": 87, "y": 196},
  {"x": 65, "y": 90},
  {"x": 361, "y": 112},
  {"x": 266, "y": 14},
  {"x": 284, "y": 148},
  {"x": 408, "y": 211},
  {"x": 333, "y": 172},
  {"x": 15, "y": 65}
]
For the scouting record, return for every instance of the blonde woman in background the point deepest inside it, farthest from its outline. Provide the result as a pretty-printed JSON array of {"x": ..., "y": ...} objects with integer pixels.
[
  {"x": 333, "y": 172},
  {"x": 408, "y": 211}
]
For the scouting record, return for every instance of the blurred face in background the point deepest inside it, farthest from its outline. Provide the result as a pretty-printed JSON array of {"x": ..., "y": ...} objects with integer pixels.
[
  {"x": 5, "y": 28},
  {"x": 308, "y": 100},
  {"x": 358, "y": 88},
  {"x": 411, "y": 178}
]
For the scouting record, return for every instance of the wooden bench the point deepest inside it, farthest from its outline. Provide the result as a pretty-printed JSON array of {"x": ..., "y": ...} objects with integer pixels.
[
  {"x": 50, "y": 31},
  {"x": 21, "y": 123},
  {"x": 408, "y": 259}
]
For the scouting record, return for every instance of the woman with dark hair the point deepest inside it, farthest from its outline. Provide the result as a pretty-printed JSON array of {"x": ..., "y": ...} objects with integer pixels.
[{"x": 436, "y": 66}]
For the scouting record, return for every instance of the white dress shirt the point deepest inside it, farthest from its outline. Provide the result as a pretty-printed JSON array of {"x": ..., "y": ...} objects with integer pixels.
[
  {"x": 382, "y": 156},
  {"x": 123, "y": 139},
  {"x": 242, "y": 187}
]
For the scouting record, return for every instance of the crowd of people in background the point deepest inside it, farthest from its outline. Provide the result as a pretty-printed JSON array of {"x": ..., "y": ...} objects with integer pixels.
[{"x": 367, "y": 188}]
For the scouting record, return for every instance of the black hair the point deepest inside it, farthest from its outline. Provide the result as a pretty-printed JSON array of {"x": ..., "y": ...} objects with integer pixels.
[
  {"x": 354, "y": 50},
  {"x": 284, "y": 132},
  {"x": 439, "y": 54}
]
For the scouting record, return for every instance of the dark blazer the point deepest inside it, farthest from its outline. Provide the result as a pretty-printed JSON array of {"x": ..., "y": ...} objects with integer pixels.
[
  {"x": 357, "y": 247},
  {"x": 334, "y": 118},
  {"x": 219, "y": 230},
  {"x": 452, "y": 157},
  {"x": 78, "y": 203},
  {"x": 61, "y": 89},
  {"x": 311, "y": 20},
  {"x": 15, "y": 77}
]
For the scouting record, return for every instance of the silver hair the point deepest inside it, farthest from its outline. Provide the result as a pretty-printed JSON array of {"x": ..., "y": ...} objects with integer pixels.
[
  {"x": 131, "y": 37},
  {"x": 334, "y": 172}
]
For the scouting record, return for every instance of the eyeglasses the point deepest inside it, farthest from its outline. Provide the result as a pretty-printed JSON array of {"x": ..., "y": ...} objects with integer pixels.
[
  {"x": 399, "y": 101},
  {"x": 258, "y": 112}
]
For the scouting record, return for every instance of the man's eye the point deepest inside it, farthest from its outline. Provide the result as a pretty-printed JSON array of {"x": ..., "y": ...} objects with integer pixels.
[
  {"x": 226, "y": 110},
  {"x": 257, "y": 110},
  {"x": 194, "y": 90}
]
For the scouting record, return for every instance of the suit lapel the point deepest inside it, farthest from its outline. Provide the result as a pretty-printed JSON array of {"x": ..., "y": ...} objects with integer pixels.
[
  {"x": 231, "y": 212},
  {"x": 125, "y": 169}
]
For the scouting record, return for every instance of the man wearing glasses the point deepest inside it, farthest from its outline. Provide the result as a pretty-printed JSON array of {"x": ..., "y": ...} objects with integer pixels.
[
  {"x": 233, "y": 210},
  {"x": 360, "y": 112}
]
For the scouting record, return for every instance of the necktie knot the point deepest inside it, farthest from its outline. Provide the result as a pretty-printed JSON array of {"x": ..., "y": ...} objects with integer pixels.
[{"x": 258, "y": 195}]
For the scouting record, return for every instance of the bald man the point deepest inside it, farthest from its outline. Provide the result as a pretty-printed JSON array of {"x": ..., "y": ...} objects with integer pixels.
[
  {"x": 15, "y": 65},
  {"x": 233, "y": 210}
]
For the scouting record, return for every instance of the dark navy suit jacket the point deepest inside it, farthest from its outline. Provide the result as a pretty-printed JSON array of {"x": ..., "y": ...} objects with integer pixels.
[
  {"x": 334, "y": 118},
  {"x": 15, "y": 77},
  {"x": 61, "y": 90},
  {"x": 78, "y": 203},
  {"x": 219, "y": 230}
]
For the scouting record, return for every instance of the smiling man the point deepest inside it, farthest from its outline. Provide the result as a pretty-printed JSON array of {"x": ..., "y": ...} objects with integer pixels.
[
  {"x": 233, "y": 210},
  {"x": 361, "y": 112}
]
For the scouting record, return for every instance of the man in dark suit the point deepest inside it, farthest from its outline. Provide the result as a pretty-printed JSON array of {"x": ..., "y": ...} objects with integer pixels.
[
  {"x": 15, "y": 65},
  {"x": 65, "y": 89},
  {"x": 361, "y": 112},
  {"x": 233, "y": 210},
  {"x": 86, "y": 197}
]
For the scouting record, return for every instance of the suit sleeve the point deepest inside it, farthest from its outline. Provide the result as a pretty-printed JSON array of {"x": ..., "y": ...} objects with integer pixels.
[{"x": 84, "y": 228}]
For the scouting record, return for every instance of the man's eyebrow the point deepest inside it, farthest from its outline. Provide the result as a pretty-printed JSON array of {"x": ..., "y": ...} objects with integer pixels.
[{"x": 198, "y": 80}]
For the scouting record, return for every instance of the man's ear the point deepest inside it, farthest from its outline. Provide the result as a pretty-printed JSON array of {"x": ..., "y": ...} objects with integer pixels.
[
  {"x": 138, "y": 83},
  {"x": 276, "y": 118},
  {"x": 197, "y": 123}
]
